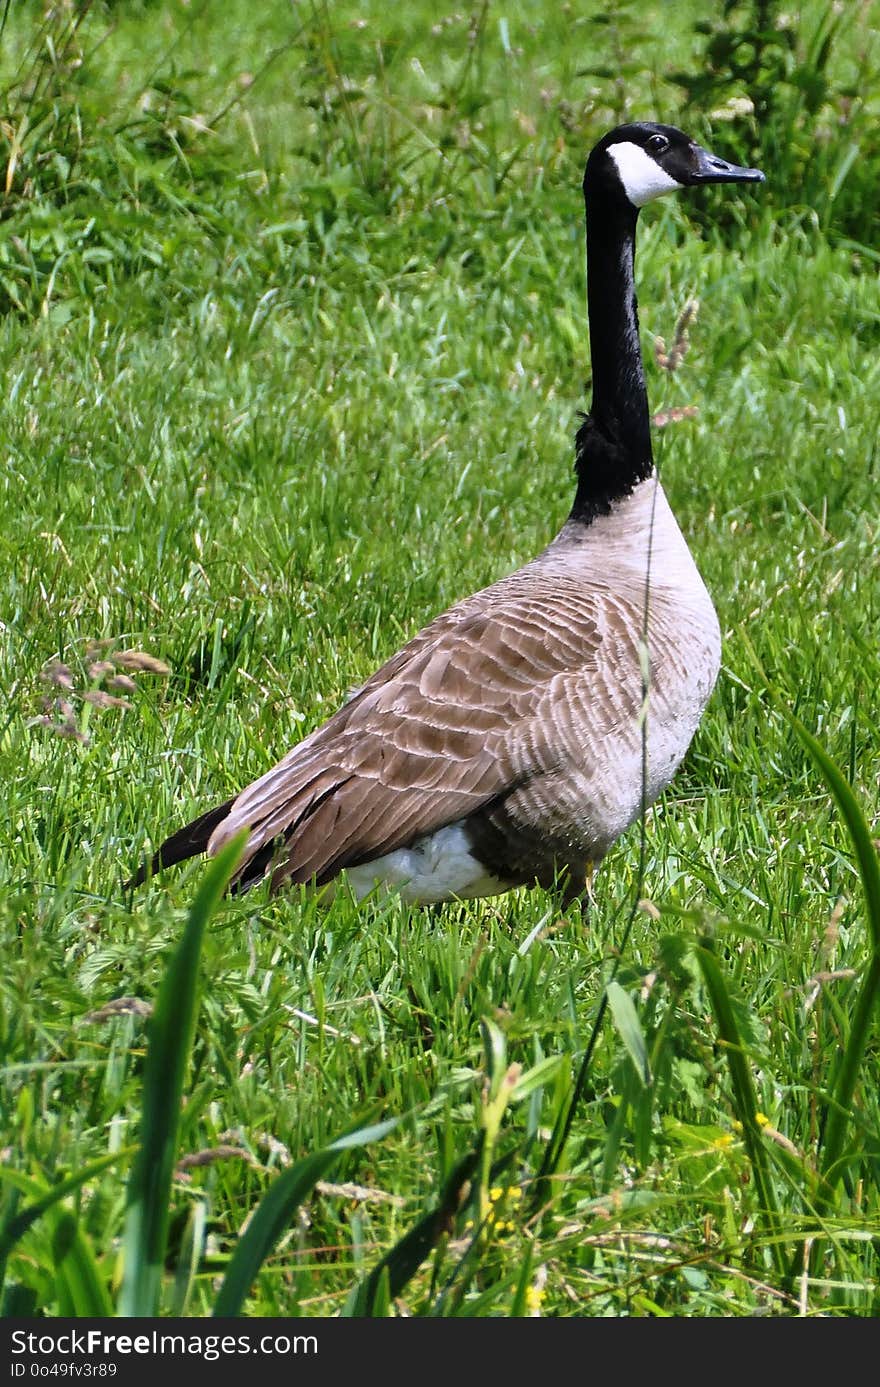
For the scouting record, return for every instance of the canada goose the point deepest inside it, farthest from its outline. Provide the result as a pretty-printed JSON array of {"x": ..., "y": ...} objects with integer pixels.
[{"x": 503, "y": 745}]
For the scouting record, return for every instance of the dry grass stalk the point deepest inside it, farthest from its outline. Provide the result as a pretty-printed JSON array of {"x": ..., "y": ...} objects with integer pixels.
[
  {"x": 210, "y": 1156},
  {"x": 67, "y": 728},
  {"x": 123, "y": 682},
  {"x": 99, "y": 699},
  {"x": 57, "y": 673},
  {"x": 141, "y": 662},
  {"x": 671, "y": 360},
  {"x": 664, "y": 417},
  {"x": 103, "y": 666},
  {"x": 119, "y": 1006}
]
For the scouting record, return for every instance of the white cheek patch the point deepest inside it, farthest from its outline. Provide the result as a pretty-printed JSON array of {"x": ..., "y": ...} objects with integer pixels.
[{"x": 642, "y": 178}]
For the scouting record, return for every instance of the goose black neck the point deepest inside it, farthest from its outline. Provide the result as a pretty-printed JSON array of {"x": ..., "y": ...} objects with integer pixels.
[{"x": 613, "y": 451}]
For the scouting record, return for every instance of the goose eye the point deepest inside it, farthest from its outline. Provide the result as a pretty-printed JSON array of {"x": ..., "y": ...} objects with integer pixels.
[{"x": 657, "y": 144}]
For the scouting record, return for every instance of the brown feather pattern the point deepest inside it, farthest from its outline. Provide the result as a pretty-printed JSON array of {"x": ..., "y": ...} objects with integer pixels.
[{"x": 516, "y": 711}]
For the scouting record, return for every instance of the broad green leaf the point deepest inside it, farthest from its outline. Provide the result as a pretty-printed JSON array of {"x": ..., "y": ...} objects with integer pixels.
[
  {"x": 540, "y": 1074},
  {"x": 628, "y": 1027}
]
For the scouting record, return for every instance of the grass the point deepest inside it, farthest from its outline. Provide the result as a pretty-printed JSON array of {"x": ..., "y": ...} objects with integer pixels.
[{"x": 294, "y": 341}]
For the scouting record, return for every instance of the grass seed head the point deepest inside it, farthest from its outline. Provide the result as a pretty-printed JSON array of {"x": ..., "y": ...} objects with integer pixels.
[{"x": 140, "y": 662}]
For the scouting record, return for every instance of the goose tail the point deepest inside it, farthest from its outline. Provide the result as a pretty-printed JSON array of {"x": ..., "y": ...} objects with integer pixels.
[{"x": 189, "y": 841}]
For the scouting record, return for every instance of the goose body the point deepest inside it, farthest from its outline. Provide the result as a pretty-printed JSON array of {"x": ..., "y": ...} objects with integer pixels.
[
  {"x": 552, "y": 724},
  {"x": 505, "y": 745}
]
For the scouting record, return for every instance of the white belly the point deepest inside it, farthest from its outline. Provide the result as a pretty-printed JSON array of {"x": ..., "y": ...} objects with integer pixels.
[{"x": 440, "y": 867}]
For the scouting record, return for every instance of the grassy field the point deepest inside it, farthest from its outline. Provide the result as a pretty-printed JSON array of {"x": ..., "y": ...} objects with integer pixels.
[{"x": 293, "y": 341}]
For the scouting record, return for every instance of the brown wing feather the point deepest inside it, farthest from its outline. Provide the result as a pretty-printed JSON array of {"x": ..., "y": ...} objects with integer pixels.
[{"x": 476, "y": 705}]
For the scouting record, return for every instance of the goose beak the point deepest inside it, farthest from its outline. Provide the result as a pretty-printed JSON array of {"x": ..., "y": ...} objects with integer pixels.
[{"x": 711, "y": 169}]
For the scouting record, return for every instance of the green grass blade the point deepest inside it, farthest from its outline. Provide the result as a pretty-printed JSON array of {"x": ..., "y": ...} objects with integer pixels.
[
  {"x": 10, "y": 1208},
  {"x": 519, "y": 1307},
  {"x": 275, "y": 1212},
  {"x": 849, "y": 1067},
  {"x": 856, "y": 823},
  {"x": 43, "y": 1199},
  {"x": 272, "y": 1217},
  {"x": 382, "y": 1300},
  {"x": 743, "y": 1095},
  {"x": 81, "y": 1286},
  {"x": 171, "y": 1036},
  {"x": 564, "y": 1121},
  {"x": 495, "y": 1047},
  {"x": 403, "y": 1261},
  {"x": 191, "y": 1247},
  {"x": 843, "y": 1084}
]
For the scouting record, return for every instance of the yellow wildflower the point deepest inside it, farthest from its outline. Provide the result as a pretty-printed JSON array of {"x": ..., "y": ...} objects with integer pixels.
[{"x": 534, "y": 1299}]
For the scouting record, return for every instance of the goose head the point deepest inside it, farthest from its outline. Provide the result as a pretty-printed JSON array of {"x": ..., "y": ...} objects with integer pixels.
[{"x": 642, "y": 161}]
